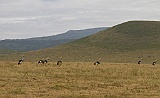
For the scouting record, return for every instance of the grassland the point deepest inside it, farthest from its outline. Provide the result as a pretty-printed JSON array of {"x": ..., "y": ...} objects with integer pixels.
[{"x": 79, "y": 80}]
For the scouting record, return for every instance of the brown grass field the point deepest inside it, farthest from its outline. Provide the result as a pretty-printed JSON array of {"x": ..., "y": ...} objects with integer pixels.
[{"x": 79, "y": 80}]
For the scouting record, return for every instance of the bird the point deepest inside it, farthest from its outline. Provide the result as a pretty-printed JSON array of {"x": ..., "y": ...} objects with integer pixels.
[
  {"x": 60, "y": 61},
  {"x": 97, "y": 62},
  {"x": 21, "y": 60},
  {"x": 139, "y": 62},
  {"x": 154, "y": 63},
  {"x": 43, "y": 61}
]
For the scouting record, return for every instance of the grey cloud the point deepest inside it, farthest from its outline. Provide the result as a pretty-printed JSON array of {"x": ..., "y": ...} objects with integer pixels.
[{"x": 28, "y": 18}]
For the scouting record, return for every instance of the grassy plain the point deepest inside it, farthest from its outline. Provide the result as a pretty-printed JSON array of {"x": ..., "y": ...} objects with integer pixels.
[{"x": 79, "y": 80}]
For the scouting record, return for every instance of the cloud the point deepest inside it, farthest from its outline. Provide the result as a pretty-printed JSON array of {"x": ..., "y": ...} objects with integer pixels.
[
  {"x": 25, "y": 18},
  {"x": 17, "y": 20}
]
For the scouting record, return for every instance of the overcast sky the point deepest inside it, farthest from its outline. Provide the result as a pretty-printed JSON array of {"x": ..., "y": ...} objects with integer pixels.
[{"x": 35, "y": 18}]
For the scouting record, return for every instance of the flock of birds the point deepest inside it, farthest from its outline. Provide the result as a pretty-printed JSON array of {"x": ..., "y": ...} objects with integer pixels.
[
  {"x": 60, "y": 61},
  {"x": 153, "y": 63},
  {"x": 139, "y": 62},
  {"x": 42, "y": 61}
]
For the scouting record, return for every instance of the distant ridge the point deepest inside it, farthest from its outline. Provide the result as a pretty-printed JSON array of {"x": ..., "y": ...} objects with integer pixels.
[
  {"x": 48, "y": 41},
  {"x": 126, "y": 42}
]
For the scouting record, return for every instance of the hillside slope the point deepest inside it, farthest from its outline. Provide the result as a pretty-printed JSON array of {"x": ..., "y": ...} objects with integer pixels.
[
  {"x": 45, "y": 42},
  {"x": 126, "y": 42},
  {"x": 132, "y": 35},
  {"x": 2, "y": 51}
]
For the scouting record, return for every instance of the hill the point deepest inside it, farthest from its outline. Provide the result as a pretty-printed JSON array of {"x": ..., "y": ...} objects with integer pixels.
[
  {"x": 126, "y": 42},
  {"x": 2, "y": 51},
  {"x": 48, "y": 41}
]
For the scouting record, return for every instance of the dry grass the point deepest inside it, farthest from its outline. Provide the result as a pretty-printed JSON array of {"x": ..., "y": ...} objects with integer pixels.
[{"x": 79, "y": 80}]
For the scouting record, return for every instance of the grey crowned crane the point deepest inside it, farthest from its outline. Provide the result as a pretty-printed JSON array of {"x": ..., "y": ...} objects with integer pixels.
[
  {"x": 60, "y": 61},
  {"x": 140, "y": 61},
  {"x": 21, "y": 60},
  {"x": 43, "y": 61},
  {"x": 97, "y": 62},
  {"x": 154, "y": 63}
]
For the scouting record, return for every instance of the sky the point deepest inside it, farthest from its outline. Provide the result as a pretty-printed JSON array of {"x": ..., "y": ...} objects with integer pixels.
[{"x": 21, "y": 19}]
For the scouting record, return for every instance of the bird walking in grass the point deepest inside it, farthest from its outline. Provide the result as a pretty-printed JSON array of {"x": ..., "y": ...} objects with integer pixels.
[
  {"x": 21, "y": 60},
  {"x": 98, "y": 62},
  {"x": 140, "y": 61},
  {"x": 154, "y": 63},
  {"x": 59, "y": 62},
  {"x": 43, "y": 61}
]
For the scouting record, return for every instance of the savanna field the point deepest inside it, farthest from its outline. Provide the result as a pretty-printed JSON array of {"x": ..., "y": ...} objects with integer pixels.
[
  {"x": 118, "y": 76},
  {"x": 79, "y": 80}
]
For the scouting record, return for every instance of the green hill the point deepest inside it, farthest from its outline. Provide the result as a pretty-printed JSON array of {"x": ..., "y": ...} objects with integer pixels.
[
  {"x": 126, "y": 42},
  {"x": 132, "y": 35},
  {"x": 3, "y": 52}
]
